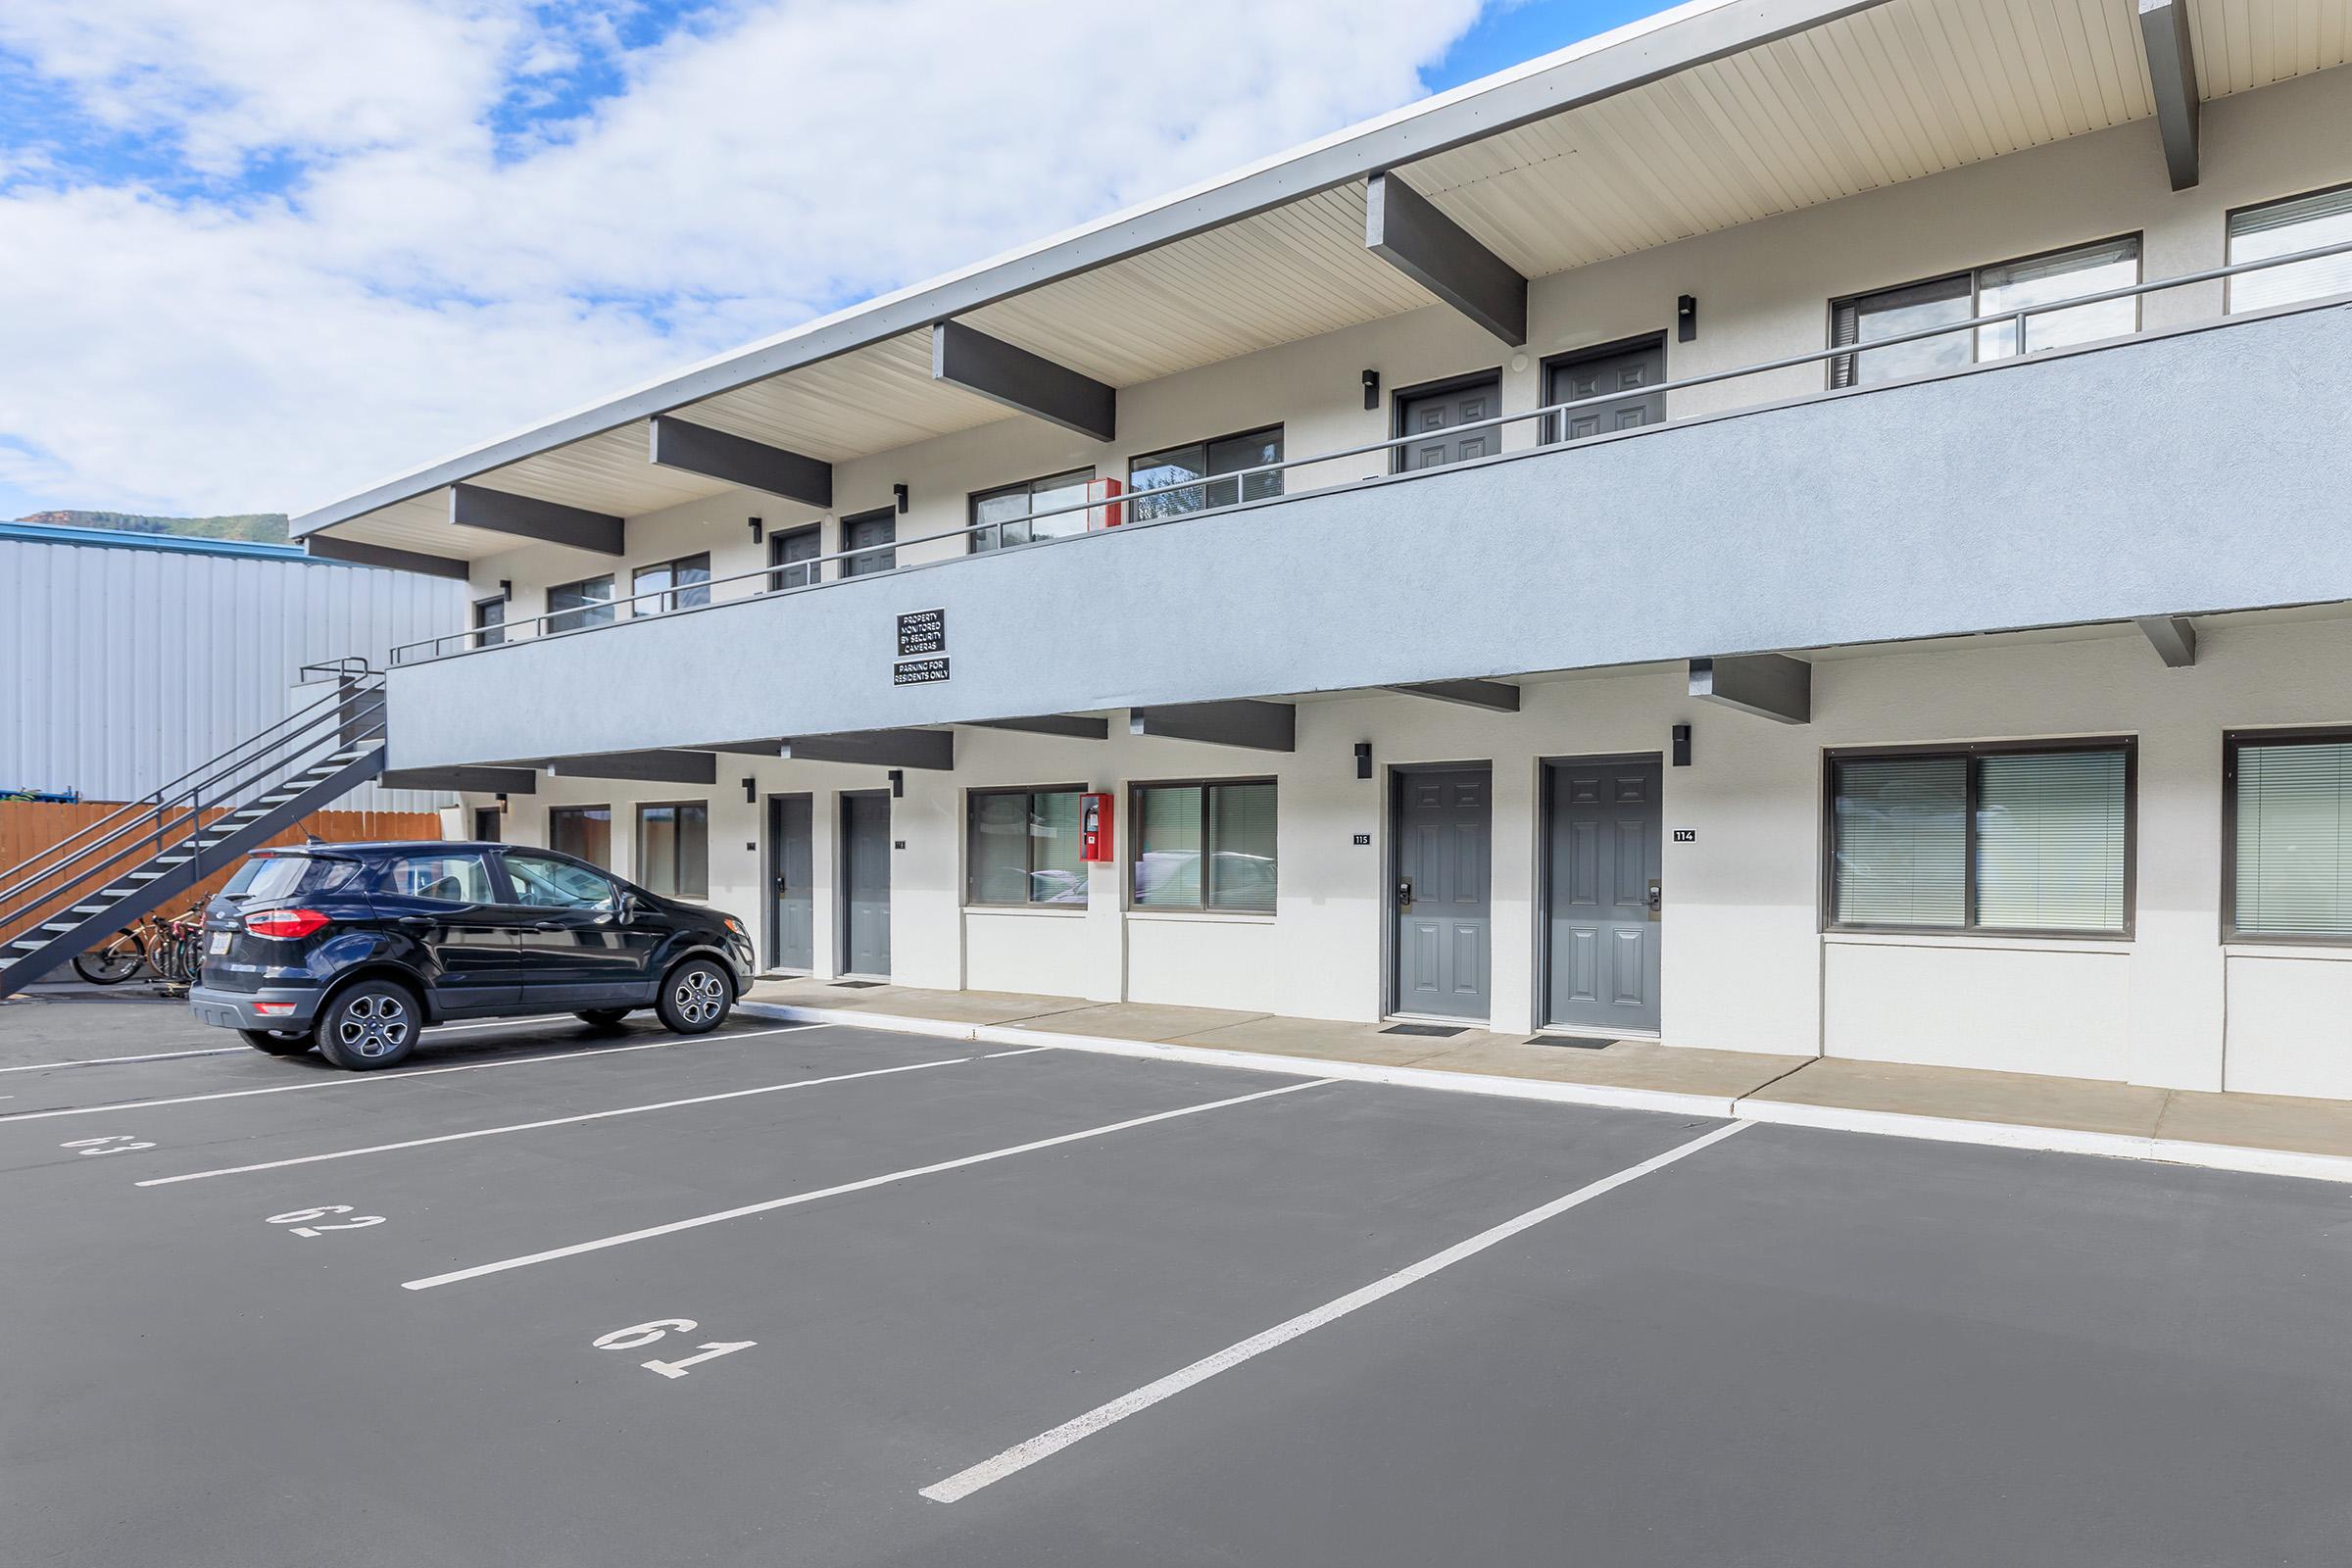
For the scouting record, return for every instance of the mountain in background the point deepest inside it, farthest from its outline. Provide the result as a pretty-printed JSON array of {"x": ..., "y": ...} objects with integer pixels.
[{"x": 263, "y": 527}]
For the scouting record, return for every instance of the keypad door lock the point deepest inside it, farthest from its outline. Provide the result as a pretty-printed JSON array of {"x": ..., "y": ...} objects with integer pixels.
[
  {"x": 1655, "y": 898},
  {"x": 1405, "y": 893}
]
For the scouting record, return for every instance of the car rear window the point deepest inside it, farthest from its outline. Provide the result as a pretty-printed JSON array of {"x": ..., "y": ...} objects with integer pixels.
[{"x": 285, "y": 876}]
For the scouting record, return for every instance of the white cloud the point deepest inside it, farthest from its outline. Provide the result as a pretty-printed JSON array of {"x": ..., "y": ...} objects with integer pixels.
[{"x": 424, "y": 285}]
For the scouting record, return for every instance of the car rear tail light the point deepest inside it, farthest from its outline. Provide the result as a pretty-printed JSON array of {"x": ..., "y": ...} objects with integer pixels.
[{"x": 285, "y": 925}]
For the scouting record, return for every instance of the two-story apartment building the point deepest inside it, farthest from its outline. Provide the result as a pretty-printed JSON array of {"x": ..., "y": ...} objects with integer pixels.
[{"x": 1793, "y": 526}]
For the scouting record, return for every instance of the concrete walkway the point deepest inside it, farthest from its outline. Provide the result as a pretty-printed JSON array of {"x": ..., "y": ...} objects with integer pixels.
[{"x": 2279, "y": 1135}]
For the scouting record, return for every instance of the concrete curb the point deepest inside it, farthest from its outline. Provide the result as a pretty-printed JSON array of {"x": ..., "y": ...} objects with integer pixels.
[{"x": 2243, "y": 1159}]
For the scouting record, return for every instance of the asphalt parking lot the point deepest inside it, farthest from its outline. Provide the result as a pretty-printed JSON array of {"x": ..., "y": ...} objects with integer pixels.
[{"x": 826, "y": 1296}]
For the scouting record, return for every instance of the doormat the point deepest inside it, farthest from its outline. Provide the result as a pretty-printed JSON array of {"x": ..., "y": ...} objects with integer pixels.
[
  {"x": 1572, "y": 1041},
  {"x": 1436, "y": 1031},
  {"x": 858, "y": 985}
]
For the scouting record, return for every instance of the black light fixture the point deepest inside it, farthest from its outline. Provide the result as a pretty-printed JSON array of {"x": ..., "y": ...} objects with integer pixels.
[
  {"x": 502, "y": 802},
  {"x": 1682, "y": 745},
  {"x": 897, "y": 493},
  {"x": 756, "y": 530},
  {"x": 751, "y": 792},
  {"x": 1363, "y": 759},
  {"x": 1371, "y": 390},
  {"x": 898, "y": 783},
  {"x": 506, "y": 588},
  {"x": 1685, "y": 317}
]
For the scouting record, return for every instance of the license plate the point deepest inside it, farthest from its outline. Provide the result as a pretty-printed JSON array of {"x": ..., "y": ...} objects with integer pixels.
[{"x": 219, "y": 943}]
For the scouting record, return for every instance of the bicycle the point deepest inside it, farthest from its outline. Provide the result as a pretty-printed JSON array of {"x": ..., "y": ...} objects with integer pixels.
[{"x": 172, "y": 946}]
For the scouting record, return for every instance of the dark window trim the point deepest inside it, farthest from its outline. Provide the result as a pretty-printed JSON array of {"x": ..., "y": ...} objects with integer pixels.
[
  {"x": 1971, "y": 272},
  {"x": 1276, "y": 428},
  {"x": 1024, "y": 790},
  {"x": 2231, "y": 742},
  {"x": 644, "y": 806},
  {"x": 668, "y": 604},
  {"x": 973, "y": 498},
  {"x": 1544, "y": 368},
  {"x": 1972, "y": 751},
  {"x": 1402, "y": 395},
  {"x": 1134, "y": 842},
  {"x": 550, "y": 845},
  {"x": 2229, "y": 216}
]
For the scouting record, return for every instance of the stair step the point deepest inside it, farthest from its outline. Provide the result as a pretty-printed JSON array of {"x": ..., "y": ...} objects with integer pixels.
[
  {"x": 88, "y": 909},
  {"x": 59, "y": 925},
  {"x": 29, "y": 942},
  {"x": 146, "y": 876}
]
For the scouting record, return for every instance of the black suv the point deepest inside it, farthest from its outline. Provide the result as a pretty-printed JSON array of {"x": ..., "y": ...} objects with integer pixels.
[{"x": 354, "y": 948}]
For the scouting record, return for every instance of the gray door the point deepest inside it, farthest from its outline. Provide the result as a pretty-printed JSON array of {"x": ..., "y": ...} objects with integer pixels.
[
  {"x": 1627, "y": 370},
  {"x": 1443, "y": 836},
  {"x": 864, "y": 534},
  {"x": 792, "y": 883},
  {"x": 790, "y": 553},
  {"x": 1601, "y": 894},
  {"x": 865, "y": 883},
  {"x": 1433, "y": 418}
]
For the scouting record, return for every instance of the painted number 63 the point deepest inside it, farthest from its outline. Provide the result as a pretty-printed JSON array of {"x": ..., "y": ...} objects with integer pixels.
[{"x": 303, "y": 1219}]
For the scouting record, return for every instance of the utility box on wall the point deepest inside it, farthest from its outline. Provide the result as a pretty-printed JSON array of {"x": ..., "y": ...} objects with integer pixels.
[{"x": 1095, "y": 817}]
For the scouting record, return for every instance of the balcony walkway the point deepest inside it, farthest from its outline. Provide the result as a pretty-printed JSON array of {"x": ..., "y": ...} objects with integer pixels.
[{"x": 2280, "y": 1135}]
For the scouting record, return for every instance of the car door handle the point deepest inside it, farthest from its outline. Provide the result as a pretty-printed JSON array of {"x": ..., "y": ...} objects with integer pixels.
[{"x": 552, "y": 926}]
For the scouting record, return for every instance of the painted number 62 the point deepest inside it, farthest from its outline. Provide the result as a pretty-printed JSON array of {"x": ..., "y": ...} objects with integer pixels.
[{"x": 303, "y": 1219}]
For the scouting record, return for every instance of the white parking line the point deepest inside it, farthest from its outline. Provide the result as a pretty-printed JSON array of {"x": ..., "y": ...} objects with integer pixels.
[
  {"x": 108, "y": 1061},
  {"x": 553, "y": 1121},
  {"x": 355, "y": 1080},
  {"x": 1023, "y": 1052},
  {"x": 652, "y": 1231},
  {"x": 964, "y": 1483}
]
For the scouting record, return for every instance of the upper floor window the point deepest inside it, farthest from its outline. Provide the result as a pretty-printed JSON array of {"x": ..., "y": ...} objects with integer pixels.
[
  {"x": 2287, "y": 836},
  {"x": 577, "y": 606},
  {"x": 1205, "y": 459},
  {"x": 2281, "y": 228},
  {"x": 2027, "y": 838},
  {"x": 1206, "y": 846},
  {"x": 1006, "y": 509},
  {"x": 680, "y": 584},
  {"x": 1985, "y": 291},
  {"x": 1025, "y": 848},
  {"x": 489, "y": 621}
]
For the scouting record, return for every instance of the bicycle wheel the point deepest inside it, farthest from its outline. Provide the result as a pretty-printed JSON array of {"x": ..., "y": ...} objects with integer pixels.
[{"x": 113, "y": 962}]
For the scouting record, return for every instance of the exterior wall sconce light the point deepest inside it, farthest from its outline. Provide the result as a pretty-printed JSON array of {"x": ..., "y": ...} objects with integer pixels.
[
  {"x": 506, "y": 588},
  {"x": 1685, "y": 317},
  {"x": 1363, "y": 759},
  {"x": 898, "y": 783},
  {"x": 751, "y": 792},
  {"x": 897, "y": 493},
  {"x": 755, "y": 530},
  {"x": 1682, "y": 745},
  {"x": 502, "y": 802},
  {"x": 1371, "y": 390}
]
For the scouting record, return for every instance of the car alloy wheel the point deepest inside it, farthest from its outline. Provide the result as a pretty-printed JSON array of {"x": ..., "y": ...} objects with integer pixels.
[
  {"x": 374, "y": 1023},
  {"x": 698, "y": 996}
]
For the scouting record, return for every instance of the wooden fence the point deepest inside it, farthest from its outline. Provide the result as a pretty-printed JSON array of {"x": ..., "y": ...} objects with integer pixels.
[{"x": 28, "y": 828}]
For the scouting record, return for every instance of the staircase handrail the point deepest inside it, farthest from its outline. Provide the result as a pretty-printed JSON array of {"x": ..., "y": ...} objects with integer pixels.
[
  {"x": 185, "y": 810},
  {"x": 162, "y": 795}
]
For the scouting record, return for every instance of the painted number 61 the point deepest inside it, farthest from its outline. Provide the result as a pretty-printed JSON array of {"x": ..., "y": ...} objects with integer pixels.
[
  {"x": 637, "y": 1336},
  {"x": 304, "y": 1220}
]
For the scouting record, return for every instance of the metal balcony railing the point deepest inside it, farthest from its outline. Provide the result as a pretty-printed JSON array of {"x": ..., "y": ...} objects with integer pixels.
[{"x": 769, "y": 581}]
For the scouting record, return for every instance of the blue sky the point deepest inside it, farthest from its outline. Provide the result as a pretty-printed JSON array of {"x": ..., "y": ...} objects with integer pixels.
[{"x": 264, "y": 253}]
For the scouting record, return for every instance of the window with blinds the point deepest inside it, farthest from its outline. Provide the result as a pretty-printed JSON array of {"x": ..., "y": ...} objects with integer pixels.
[
  {"x": 2016, "y": 285},
  {"x": 1205, "y": 846},
  {"x": 2290, "y": 803},
  {"x": 1982, "y": 838},
  {"x": 2281, "y": 228}
]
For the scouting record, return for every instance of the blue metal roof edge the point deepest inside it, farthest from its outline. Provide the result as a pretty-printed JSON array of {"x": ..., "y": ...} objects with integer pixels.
[{"x": 42, "y": 533}]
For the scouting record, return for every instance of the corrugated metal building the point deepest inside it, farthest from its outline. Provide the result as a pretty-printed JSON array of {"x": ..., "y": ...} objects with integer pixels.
[{"x": 133, "y": 658}]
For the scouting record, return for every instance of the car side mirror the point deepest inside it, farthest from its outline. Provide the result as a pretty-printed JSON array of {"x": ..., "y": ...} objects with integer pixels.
[{"x": 628, "y": 907}]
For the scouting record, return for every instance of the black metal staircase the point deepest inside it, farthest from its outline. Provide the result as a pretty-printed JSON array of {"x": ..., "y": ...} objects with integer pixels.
[{"x": 106, "y": 875}]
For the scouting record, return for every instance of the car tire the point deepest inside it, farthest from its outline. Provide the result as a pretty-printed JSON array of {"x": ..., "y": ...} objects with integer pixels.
[
  {"x": 602, "y": 1018},
  {"x": 369, "y": 1025},
  {"x": 696, "y": 997},
  {"x": 280, "y": 1041}
]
